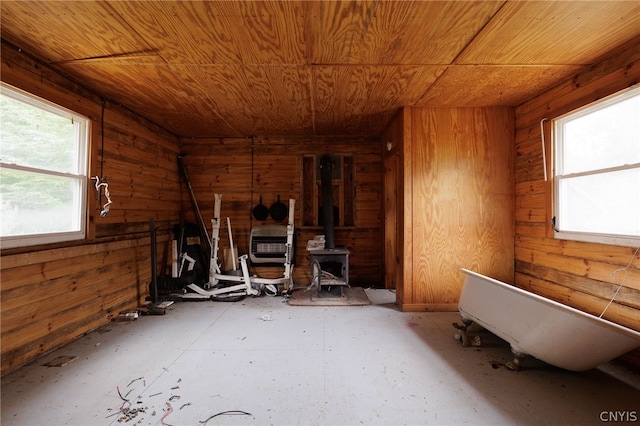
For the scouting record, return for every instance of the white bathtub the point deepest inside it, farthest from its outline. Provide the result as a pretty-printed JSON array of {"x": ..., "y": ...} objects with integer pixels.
[{"x": 536, "y": 326}]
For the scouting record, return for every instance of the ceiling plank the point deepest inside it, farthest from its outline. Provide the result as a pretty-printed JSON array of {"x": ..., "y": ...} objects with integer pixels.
[
  {"x": 397, "y": 32},
  {"x": 63, "y": 31},
  {"x": 220, "y": 32},
  {"x": 259, "y": 99},
  {"x": 553, "y": 32},
  {"x": 349, "y": 99},
  {"x": 306, "y": 67},
  {"x": 501, "y": 85}
]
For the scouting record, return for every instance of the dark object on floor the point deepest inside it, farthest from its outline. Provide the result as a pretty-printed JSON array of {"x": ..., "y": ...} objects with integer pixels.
[
  {"x": 155, "y": 307},
  {"x": 198, "y": 273},
  {"x": 60, "y": 361}
]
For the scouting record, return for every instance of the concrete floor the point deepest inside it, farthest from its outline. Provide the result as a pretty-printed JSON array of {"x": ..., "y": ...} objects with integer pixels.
[{"x": 289, "y": 365}]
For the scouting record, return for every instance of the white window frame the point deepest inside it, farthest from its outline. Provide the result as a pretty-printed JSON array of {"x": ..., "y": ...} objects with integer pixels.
[
  {"x": 595, "y": 237},
  {"x": 82, "y": 131}
]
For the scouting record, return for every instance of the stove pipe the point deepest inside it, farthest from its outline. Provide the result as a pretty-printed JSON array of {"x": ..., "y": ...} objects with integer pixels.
[{"x": 326, "y": 173}]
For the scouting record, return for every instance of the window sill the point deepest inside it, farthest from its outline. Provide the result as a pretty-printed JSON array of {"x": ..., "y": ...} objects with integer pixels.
[{"x": 614, "y": 240}]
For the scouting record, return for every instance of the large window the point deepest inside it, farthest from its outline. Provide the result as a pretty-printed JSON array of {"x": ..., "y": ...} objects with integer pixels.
[
  {"x": 43, "y": 171},
  {"x": 597, "y": 171}
]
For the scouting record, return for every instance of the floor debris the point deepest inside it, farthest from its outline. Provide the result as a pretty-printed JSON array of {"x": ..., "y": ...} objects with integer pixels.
[
  {"x": 130, "y": 315},
  {"x": 133, "y": 381},
  {"x": 60, "y": 361},
  {"x": 139, "y": 410}
]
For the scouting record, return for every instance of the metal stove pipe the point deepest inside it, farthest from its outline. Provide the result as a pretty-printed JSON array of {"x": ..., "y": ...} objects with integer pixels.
[{"x": 326, "y": 173}]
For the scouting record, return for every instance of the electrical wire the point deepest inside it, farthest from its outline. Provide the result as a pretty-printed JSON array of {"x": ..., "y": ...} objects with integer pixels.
[
  {"x": 120, "y": 394},
  {"x": 613, "y": 274},
  {"x": 253, "y": 142},
  {"x": 227, "y": 413},
  {"x": 101, "y": 181},
  {"x": 125, "y": 402},
  {"x": 104, "y": 101},
  {"x": 169, "y": 411}
]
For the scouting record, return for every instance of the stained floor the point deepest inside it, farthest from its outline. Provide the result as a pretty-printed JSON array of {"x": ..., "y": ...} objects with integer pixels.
[{"x": 262, "y": 362}]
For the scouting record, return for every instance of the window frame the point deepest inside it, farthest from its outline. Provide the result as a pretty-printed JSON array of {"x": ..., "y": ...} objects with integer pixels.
[
  {"x": 558, "y": 152},
  {"x": 83, "y": 132}
]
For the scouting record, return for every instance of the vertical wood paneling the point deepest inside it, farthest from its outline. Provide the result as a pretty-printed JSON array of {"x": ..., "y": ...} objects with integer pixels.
[
  {"x": 582, "y": 275},
  {"x": 463, "y": 202},
  {"x": 53, "y": 294},
  {"x": 457, "y": 202}
]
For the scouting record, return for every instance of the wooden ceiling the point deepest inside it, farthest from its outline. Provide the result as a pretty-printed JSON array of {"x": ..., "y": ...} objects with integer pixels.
[{"x": 314, "y": 68}]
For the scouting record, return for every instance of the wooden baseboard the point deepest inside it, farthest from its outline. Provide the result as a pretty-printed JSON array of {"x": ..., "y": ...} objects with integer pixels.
[{"x": 429, "y": 307}]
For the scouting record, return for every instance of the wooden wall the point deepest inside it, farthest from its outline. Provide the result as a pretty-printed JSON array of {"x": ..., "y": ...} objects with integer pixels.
[
  {"x": 55, "y": 293},
  {"x": 575, "y": 273},
  {"x": 456, "y": 193},
  {"x": 243, "y": 169},
  {"x": 396, "y": 231}
]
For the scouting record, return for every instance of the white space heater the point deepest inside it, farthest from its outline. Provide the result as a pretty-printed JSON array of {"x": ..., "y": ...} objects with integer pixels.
[{"x": 268, "y": 244}]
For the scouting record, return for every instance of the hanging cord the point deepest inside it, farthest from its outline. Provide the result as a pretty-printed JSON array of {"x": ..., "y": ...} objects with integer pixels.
[
  {"x": 625, "y": 269},
  {"x": 544, "y": 152},
  {"x": 253, "y": 142},
  {"x": 101, "y": 181},
  {"x": 102, "y": 138}
]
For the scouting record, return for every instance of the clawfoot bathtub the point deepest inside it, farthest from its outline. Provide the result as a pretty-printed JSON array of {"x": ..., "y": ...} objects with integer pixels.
[{"x": 534, "y": 325}]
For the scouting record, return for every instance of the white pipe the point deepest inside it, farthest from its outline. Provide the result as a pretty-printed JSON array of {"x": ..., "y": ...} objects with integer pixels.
[
  {"x": 174, "y": 258},
  {"x": 544, "y": 152},
  {"x": 233, "y": 256},
  {"x": 215, "y": 238}
]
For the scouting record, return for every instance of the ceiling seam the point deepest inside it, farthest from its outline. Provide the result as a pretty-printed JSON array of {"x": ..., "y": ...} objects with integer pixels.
[
  {"x": 123, "y": 21},
  {"x": 466, "y": 46}
]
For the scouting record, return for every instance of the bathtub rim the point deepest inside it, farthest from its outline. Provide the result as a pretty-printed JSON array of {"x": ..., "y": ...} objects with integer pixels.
[{"x": 557, "y": 305}]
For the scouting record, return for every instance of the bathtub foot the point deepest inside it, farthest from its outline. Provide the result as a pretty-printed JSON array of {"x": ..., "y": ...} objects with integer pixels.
[
  {"x": 465, "y": 324},
  {"x": 462, "y": 335},
  {"x": 516, "y": 364}
]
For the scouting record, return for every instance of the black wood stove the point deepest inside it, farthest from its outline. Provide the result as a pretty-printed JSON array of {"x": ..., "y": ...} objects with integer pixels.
[{"x": 329, "y": 266}]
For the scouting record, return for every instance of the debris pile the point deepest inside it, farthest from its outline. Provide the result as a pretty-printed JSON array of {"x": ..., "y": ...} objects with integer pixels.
[{"x": 136, "y": 409}]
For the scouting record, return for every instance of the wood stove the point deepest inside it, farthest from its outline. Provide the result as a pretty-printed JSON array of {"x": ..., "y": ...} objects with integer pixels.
[{"x": 329, "y": 266}]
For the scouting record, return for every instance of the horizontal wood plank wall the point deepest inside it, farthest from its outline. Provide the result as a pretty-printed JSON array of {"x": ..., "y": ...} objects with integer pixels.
[
  {"x": 578, "y": 274},
  {"x": 274, "y": 166},
  {"x": 53, "y": 294},
  {"x": 461, "y": 209}
]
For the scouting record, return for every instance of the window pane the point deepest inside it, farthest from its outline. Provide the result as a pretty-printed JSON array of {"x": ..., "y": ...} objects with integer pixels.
[
  {"x": 33, "y": 203},
  {"x": 37, "y": 138},
  {"x": 606, "y": 203},
  {"x": 607, "y": 137}
]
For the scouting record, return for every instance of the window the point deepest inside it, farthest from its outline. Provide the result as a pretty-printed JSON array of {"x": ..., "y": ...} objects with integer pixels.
[
  {"x": 597, "y": 171},
  {"x": 43, "y": 171}
]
